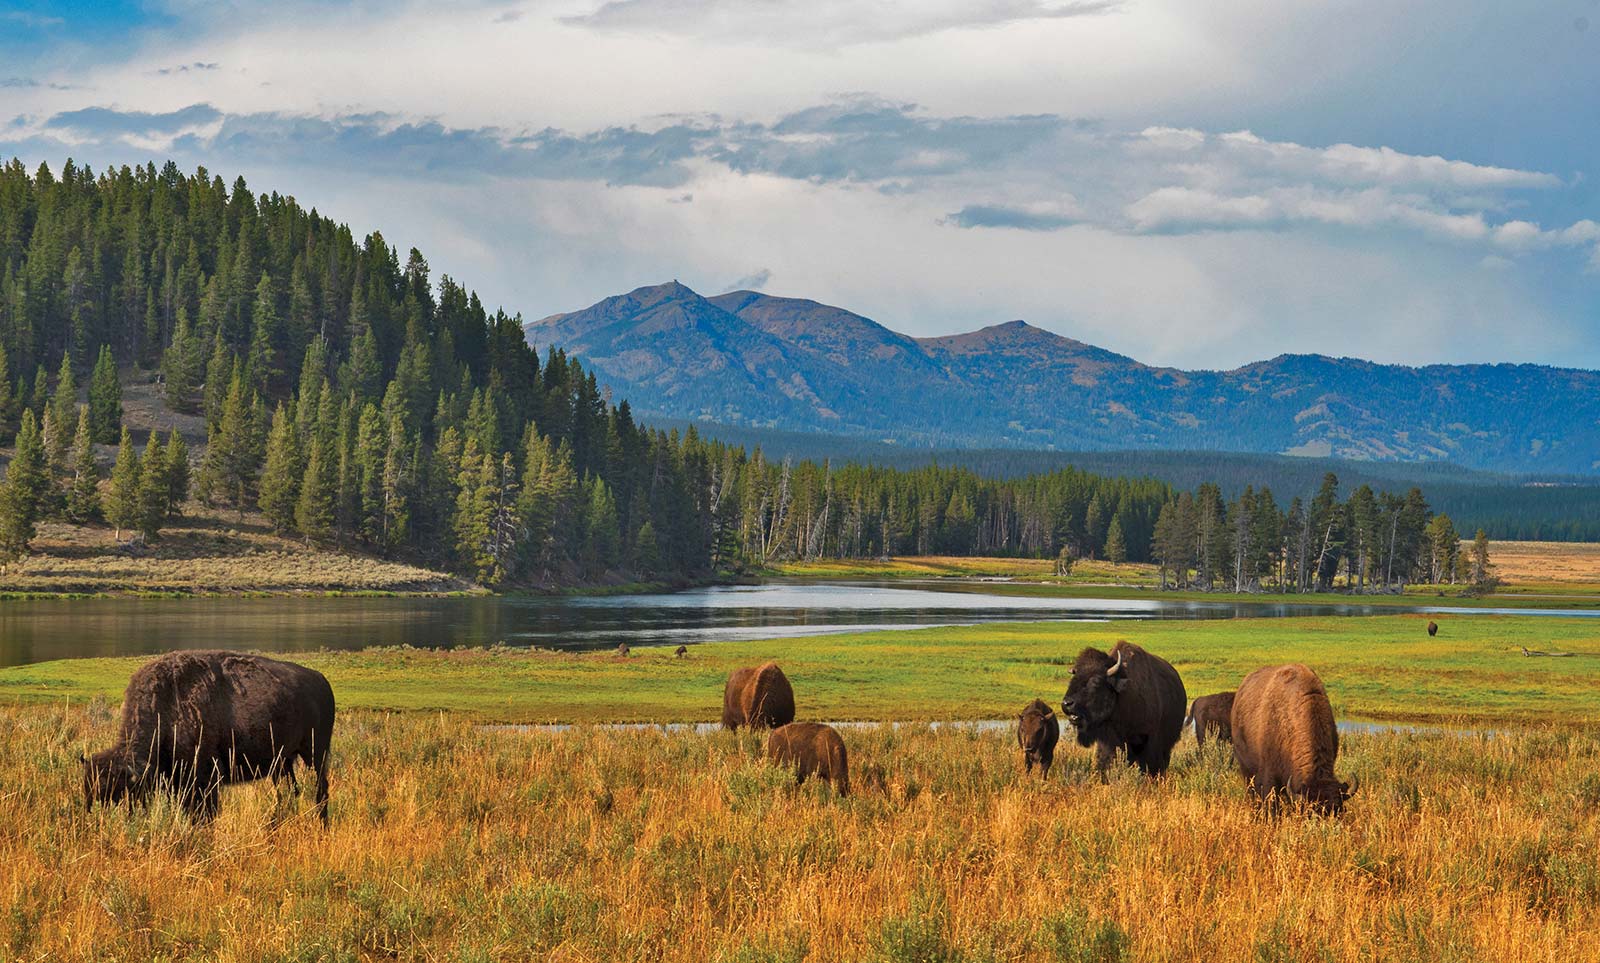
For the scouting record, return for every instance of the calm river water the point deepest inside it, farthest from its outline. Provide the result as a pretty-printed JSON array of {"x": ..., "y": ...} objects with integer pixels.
[{"x": 44, "y": 630}]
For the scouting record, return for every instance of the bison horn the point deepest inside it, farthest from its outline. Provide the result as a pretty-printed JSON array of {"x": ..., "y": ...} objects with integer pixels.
[{"x": 1117, "y": 667}]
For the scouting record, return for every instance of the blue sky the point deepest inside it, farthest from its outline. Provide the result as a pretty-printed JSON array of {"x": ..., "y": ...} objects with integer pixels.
[{"x": 1199, "y": 185}]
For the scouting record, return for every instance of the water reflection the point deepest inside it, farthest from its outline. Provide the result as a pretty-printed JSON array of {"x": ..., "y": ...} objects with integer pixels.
[{"x": 35, "y": 631}]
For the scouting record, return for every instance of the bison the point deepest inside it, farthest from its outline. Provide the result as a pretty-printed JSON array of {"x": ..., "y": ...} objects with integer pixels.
[
  {"x": 1037, "y": 734},
  {"x": 1433, "y": 629},
  {"x": 811, "y": 748},
  {"x": 760, "y": 698},
  {"x": 193, "y": 721},
  {"x": 681, "y": 651},
  {"x": 1126, "y": 699},
  {"x": 1211, "y": 713},
  {"x": 622, "y": 649},
  {"x": 1284, "y": 737}
]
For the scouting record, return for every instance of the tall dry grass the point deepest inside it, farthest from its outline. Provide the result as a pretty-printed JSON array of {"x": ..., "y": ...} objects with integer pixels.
[{"x": 454, "y": 843}]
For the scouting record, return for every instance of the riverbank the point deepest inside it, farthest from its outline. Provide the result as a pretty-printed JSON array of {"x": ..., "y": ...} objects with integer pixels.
[
  {"x": 448, "y": 842},
  {"x": 1377, "y": 668},
  {"x": 1532, "y": 574}
]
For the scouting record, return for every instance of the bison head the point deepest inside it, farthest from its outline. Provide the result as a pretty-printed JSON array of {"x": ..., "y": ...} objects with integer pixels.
[
  {"x": 1328, "y": 795},
  {"x": 1097, "y": 682},
  {"x": 107, "y": 779}
]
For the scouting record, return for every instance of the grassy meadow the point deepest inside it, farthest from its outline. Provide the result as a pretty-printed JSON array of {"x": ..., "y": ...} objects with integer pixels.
[
  {"x": 453, "y": 843},
  {"x": 1376, "y": 668}
]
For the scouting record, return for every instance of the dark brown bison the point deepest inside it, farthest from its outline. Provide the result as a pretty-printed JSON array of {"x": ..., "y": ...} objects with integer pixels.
[
  {"x": 760, "y": 698},
  {"x": 193, "y": 721},
  {"x": 1433, "y": 629},
  {"x": 1126, "y": 699},
  {"x": 1037, "y": 734},
  {"x": 1284, "y": 737},
  {"x": 811, "y": 748},
  {"x": 681, "y": 651},
  {"x": 1211, "y": 713}
]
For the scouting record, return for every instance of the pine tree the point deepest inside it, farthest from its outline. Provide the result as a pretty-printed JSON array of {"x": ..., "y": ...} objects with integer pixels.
[
  {"x": 600, "y": 528},
  {"x": 180, "y": 365},
  {"x": 397, "y": 485},
  {"x": 313, "y": 513},
  {"x": 39, "y": 399},
  {"x": 646, "y": 553},
  {"x": 234, "y": 449},
  {"x": 261, "y": 365},
  {"x": 64, "y": 402},
  {"x": 1483, "y": 578},
  {"x": 105, "y": 399},
  {"x": 220, "y": 370},
  {"x": 152, "y": 496},
  {"x": 1116, "y": 547},
  {"x": 22, "y": 496},
  {"x": 8, "y": 398},
  {"x": 83, "y": 498},
  {"x": 177, "y": 472},
  {"x": 371, "y": 439},
  {"x": 122, "y": 503},
  {"x": 280, "y": 479}
]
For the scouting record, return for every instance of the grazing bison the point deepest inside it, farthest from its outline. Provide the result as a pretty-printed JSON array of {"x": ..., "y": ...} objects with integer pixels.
[
  {"x": 1037, "y": 734},
  {"x": 811, "y": 748},
  {"x": 622, "y": 649},
  {"x": 1284, "y": 737},
  {"x": 1126, "y": 699},
  {"x": 1433, "y": 629},
  {"x": 681, "y": 651},
  {"x": 760, "y": 698},
  {"x": 192, "y": 721},
  {"x": 1211, "y": 713}
]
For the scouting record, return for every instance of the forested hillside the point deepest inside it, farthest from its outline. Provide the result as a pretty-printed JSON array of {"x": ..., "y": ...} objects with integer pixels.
[{"x": 356, "y": 401}]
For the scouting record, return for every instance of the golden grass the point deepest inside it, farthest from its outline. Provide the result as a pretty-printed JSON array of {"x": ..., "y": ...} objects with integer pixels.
[
  {"x": 1084, "y": 571},
  {"x": 1561, "y": 563},
  {"x": 453, "y": 843},
  {"x": 207, "y": 552}
]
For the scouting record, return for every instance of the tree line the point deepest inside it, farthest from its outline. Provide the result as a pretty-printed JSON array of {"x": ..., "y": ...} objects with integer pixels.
[{"x": 356, "y": 402}]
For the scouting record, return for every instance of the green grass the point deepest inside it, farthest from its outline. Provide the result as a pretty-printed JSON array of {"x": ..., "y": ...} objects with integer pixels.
[{"x": 1376, "y": 668}]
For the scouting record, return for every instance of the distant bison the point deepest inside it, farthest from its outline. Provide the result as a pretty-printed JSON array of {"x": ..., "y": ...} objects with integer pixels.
[
  {"x": 760, "y": 698},
  {"x": 1211, "y": 713},
  {"x": 1433, "y": 629},
  {"x": 1037, "y": 734},
  {"x": 681, "y": 651},
  {"x": 622, "y": 649},
  {"x": 811, "y": 748},
  {"x": 1126, "y": 699},
  {"x": 193, "y": 721},
  {"x": 1284, "y": 737}
]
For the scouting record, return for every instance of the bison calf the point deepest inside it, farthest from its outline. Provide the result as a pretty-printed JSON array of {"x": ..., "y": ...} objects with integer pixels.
[
  {"x": 1037, "y": 734},
  {"x": 195, "y": 721},
  {"x": 811, "y": 748},
  {"x": 1126, "y": 699},
  {"x": 1212, "y": 713},
  {"x": 760, "y": 698},
  {"x": 1284, "y": 737}
]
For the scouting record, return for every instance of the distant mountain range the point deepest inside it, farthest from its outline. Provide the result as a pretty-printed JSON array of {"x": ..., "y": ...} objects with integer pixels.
[{"x": 753, "y": 360}]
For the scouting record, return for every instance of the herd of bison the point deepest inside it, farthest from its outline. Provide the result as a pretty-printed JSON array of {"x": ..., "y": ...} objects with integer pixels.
[{"x": 195, "y": 721}]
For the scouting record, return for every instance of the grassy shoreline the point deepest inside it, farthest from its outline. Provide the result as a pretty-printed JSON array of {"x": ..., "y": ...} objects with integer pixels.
[{"x": 1377, "y": 668}]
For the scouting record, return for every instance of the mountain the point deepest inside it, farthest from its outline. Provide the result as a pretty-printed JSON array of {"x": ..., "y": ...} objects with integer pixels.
[{"x": 753, "y": 360}]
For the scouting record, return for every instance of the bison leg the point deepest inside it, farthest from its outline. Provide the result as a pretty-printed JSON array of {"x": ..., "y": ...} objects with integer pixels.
[
  {"x": 1045, "y": 759},
  {"x": 1104, "y": 754},
  {"x": 1027, "y": 761}
]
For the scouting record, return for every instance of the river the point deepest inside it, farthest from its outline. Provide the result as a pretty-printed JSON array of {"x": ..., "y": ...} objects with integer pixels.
[{"x": 38, "y": 631}]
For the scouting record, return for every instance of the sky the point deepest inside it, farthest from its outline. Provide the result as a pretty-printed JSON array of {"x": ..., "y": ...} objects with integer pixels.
[{"x": 1198, "y": 185}]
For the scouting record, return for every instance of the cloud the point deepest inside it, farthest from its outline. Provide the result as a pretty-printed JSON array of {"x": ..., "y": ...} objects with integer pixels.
[
  {"x": 750, "y": 282},
  {"x": 29, "y": 83},
  {"x": 186, "y": 68},
  {"x": 36, "y": 21},
  {"x": 106, "y": 122},
  {"x": 832, "y": 22},
  {"x": 1040, "y": 216}
]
